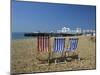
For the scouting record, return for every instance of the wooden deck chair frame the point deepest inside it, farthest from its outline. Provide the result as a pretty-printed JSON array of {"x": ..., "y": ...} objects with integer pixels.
[
  {"x": 73, "y": 50},
  {"x": 49, "y": 48}
]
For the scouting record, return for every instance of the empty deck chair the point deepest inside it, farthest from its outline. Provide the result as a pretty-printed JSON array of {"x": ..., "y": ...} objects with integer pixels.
[
  {"x": 73, "y": 42},
  {"x": 43, "y": 43},
  {"x": 43, "y": 48},
  {"x": 59, "y": 45}
]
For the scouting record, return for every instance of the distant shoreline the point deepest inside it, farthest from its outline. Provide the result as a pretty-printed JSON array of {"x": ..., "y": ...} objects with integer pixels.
[{"x": 18, "y": 35}]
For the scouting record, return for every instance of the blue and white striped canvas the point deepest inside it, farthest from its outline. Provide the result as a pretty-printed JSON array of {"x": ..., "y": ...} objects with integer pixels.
[
  {"x": 73, "y": 44},
  {"x": 59, "y": 44}
]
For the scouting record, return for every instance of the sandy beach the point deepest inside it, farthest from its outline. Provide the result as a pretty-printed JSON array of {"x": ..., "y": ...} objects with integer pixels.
[{"x": 24, "y": 56}]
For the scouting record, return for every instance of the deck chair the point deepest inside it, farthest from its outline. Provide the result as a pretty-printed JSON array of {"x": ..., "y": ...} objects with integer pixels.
[
  {"x": 59, "y": 45},
  {"x": 73, "y": 42},
  {"x": 43, "y": 43},
  {"x": 43, "y": 48}
]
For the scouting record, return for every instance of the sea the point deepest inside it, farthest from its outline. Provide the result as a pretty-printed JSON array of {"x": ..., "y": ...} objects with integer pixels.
[{"x": 18, "y": 35}]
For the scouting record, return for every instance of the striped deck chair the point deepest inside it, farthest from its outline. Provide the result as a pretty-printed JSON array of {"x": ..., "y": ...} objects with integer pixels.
[
  {"x": 59, "y": 45},
  {"x": 73, "y": 42},
  {"x": 43, "y": 43},
  {"x": 43, "y": 48}
]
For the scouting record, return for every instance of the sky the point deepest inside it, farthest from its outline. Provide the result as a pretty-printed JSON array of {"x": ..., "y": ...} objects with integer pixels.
[{"x": 47, "y": 17}]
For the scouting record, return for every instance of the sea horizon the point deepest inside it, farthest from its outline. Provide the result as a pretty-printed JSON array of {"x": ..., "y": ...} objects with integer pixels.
[{"x": 18, "y": 35}]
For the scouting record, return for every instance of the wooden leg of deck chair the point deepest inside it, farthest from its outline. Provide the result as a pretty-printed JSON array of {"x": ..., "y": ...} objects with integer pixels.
[
  {"x": 65, "y": 57},
  {"x": 55, "y": 61},
  {"x": 49, "y": 59},
  {"x": 65, "y": 60},
  {"x": 68, "y": 53},
  {"x": 78, "y": 58},
  {"x": 48, "y": 62}
]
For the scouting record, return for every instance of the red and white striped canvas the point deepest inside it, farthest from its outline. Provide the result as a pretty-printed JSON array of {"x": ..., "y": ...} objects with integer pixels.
[{"x": 43, "y": 43}]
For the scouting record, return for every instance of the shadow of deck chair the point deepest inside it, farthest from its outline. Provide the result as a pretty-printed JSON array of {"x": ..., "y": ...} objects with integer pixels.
[
  {"x": 43, "y": 48},
  {"x": 59, "y": 46},
  {"x": 73, "y": 42}
]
